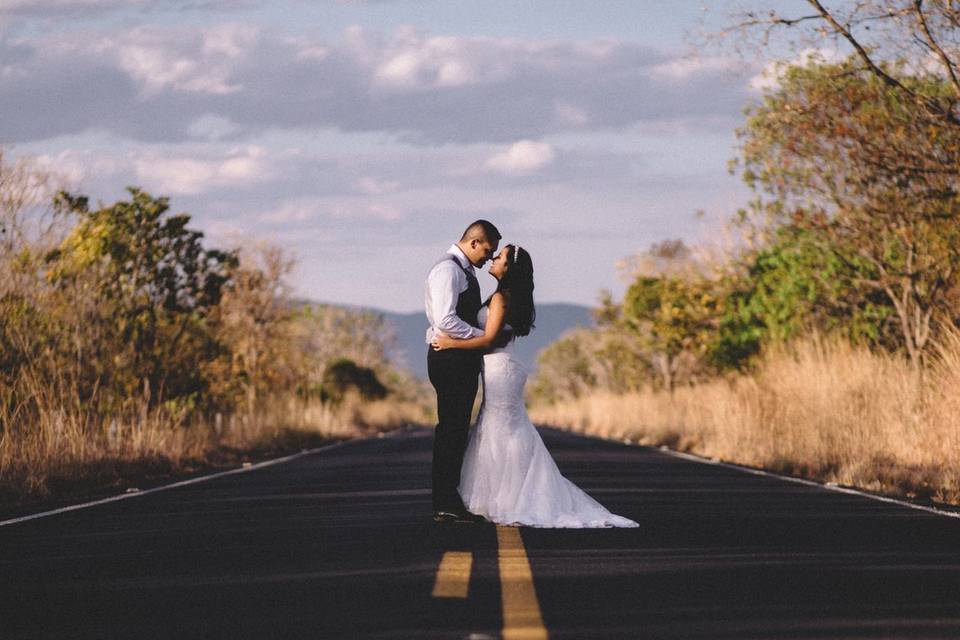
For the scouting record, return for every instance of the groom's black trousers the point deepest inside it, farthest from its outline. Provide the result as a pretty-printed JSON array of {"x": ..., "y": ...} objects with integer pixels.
[{"x": 454, "y": 374}]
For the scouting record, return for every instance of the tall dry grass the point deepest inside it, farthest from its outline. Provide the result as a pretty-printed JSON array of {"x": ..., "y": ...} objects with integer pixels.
[
  {"x": 64, "y": 454},
  {"x": 819, "y": 408}
]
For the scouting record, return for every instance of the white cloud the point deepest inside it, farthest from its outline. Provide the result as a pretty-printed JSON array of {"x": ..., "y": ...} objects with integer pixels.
[
  {"x": 242, "y": 168},
  {"x": 46, "y": 9},
  {"x": 454, "y": 73},
  {"x": 31, "y": 6},
  {"x": 310, "y": 51},
  {"x": 202, "y": 66},
  {"x": 361, "y": 208},
  {"x": 684, "y": 68},
  {"x": 230, "y": 39},
  {"x": 160, "y": 84},
  {"x": 176, "y": 176},
  {"x": 290, "y": 212},
  {"x": 318, "y": 211},
  {"x": 384, "y": 211},
  {"x": 77, "y": 166},
  {"x": 210, "y": 126},
  {"x": 374, "y": 187},
  {"x": 401, "y": 69},
  {"x": 569, "y": 114},
  {"x": 412, "y": 60},
  {"x": 769, "y": 77},
  {"x": 522, "y": 158}
]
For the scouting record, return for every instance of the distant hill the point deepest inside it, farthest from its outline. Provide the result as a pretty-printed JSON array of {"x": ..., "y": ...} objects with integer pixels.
[{"x": 552, "y": 320}]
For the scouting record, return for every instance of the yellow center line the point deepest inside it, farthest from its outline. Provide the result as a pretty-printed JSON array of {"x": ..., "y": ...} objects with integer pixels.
[
  {"x": 521, "y": 611},
  {"x": 453, "y": 575}
]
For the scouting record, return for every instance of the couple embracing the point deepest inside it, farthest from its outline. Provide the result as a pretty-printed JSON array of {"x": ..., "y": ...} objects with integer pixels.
[{"x": 500, "y": 470}]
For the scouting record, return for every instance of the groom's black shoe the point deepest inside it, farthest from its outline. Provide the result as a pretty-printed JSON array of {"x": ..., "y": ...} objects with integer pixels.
[{"x": 457, "y": 517}]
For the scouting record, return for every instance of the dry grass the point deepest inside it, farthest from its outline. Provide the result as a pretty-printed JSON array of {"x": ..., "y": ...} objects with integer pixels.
[
  {"x": 60, "y": 457},
  {"x": 820, "y": 408}
]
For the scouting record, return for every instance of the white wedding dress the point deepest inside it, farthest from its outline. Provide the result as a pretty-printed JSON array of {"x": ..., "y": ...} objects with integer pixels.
[{"x": 508, "y": 475}]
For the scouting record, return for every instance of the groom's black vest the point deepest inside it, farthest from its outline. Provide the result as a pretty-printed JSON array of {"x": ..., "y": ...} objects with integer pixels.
[{"x": 468, "y": 303}]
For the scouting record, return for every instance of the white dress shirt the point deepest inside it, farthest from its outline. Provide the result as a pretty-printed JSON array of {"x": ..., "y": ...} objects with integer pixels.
[{"x": 445, "y": 282}]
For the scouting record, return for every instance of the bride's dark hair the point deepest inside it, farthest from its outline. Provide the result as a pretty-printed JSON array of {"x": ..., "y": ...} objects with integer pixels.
[{"x": 517, "y": 283}]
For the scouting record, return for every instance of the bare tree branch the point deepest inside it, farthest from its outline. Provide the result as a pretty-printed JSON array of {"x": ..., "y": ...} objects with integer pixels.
[{"x": 947, "y": 63}]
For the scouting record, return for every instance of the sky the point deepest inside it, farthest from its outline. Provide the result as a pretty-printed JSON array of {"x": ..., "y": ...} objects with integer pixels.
[{"x": 362, "y": 136}]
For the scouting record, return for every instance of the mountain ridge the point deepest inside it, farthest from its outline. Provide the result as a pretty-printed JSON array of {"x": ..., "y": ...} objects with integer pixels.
[{"x": 553, "y": 320}]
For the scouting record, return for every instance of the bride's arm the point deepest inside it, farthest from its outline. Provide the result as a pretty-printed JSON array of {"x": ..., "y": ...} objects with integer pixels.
[{"x": 495, "y": 319}]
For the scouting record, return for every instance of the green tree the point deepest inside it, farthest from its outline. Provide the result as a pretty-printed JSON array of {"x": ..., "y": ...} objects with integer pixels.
[
  {"x": 795, "y": 284},
  {"x": 583, "y": 360},
  {"x": 671, "y": 309},
  {"x": 153, "y": 286},
  {"x": 837, "y": 151},
  {"x": 674, "y": 318},
  {"x": 344, "y": 375},
  {"x": 255, "y": 322}
]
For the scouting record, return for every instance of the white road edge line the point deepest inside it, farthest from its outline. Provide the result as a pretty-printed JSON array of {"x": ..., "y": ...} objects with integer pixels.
[
  {"x": 124, "y": 496},
  {"x": 810, "y": 483}
]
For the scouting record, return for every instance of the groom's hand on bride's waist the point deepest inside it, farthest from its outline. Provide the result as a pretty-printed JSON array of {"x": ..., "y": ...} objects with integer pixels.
[{"x": 441, "y": 341}]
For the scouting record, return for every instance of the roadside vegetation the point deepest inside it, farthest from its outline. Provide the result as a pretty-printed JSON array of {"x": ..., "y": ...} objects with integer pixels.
[
  {"x": 819, "y": 407},
  {"x": 131, "y": 351},
  {"x": 823, "y": 341}
]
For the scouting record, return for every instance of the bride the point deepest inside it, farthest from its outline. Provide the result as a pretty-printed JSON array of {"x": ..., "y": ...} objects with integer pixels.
[{"x": 508, "y": 475}]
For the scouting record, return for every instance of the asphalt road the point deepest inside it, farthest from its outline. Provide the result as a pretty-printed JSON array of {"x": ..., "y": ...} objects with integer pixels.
[{"x": 340, "y": 544}]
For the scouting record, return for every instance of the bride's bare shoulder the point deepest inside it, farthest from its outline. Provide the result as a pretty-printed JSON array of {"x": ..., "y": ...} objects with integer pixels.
[{"x": 498, "y": 298}]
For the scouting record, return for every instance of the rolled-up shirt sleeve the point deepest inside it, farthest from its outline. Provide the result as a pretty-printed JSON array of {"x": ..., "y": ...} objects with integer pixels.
[{"x": 445, "y": 284}]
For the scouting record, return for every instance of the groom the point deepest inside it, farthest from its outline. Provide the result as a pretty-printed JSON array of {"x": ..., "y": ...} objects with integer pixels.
[{"x": 452, "y": 300}]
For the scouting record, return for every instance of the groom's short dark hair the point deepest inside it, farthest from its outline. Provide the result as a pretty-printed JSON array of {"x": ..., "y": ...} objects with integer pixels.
[{"x": 481, "y": 228}]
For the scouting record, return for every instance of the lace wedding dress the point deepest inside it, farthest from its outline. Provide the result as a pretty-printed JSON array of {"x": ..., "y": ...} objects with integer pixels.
[{"x": 508, "y": 475}]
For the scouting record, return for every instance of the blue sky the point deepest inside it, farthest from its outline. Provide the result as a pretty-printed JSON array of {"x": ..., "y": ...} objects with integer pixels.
[{"x": 363, "y": 136}]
